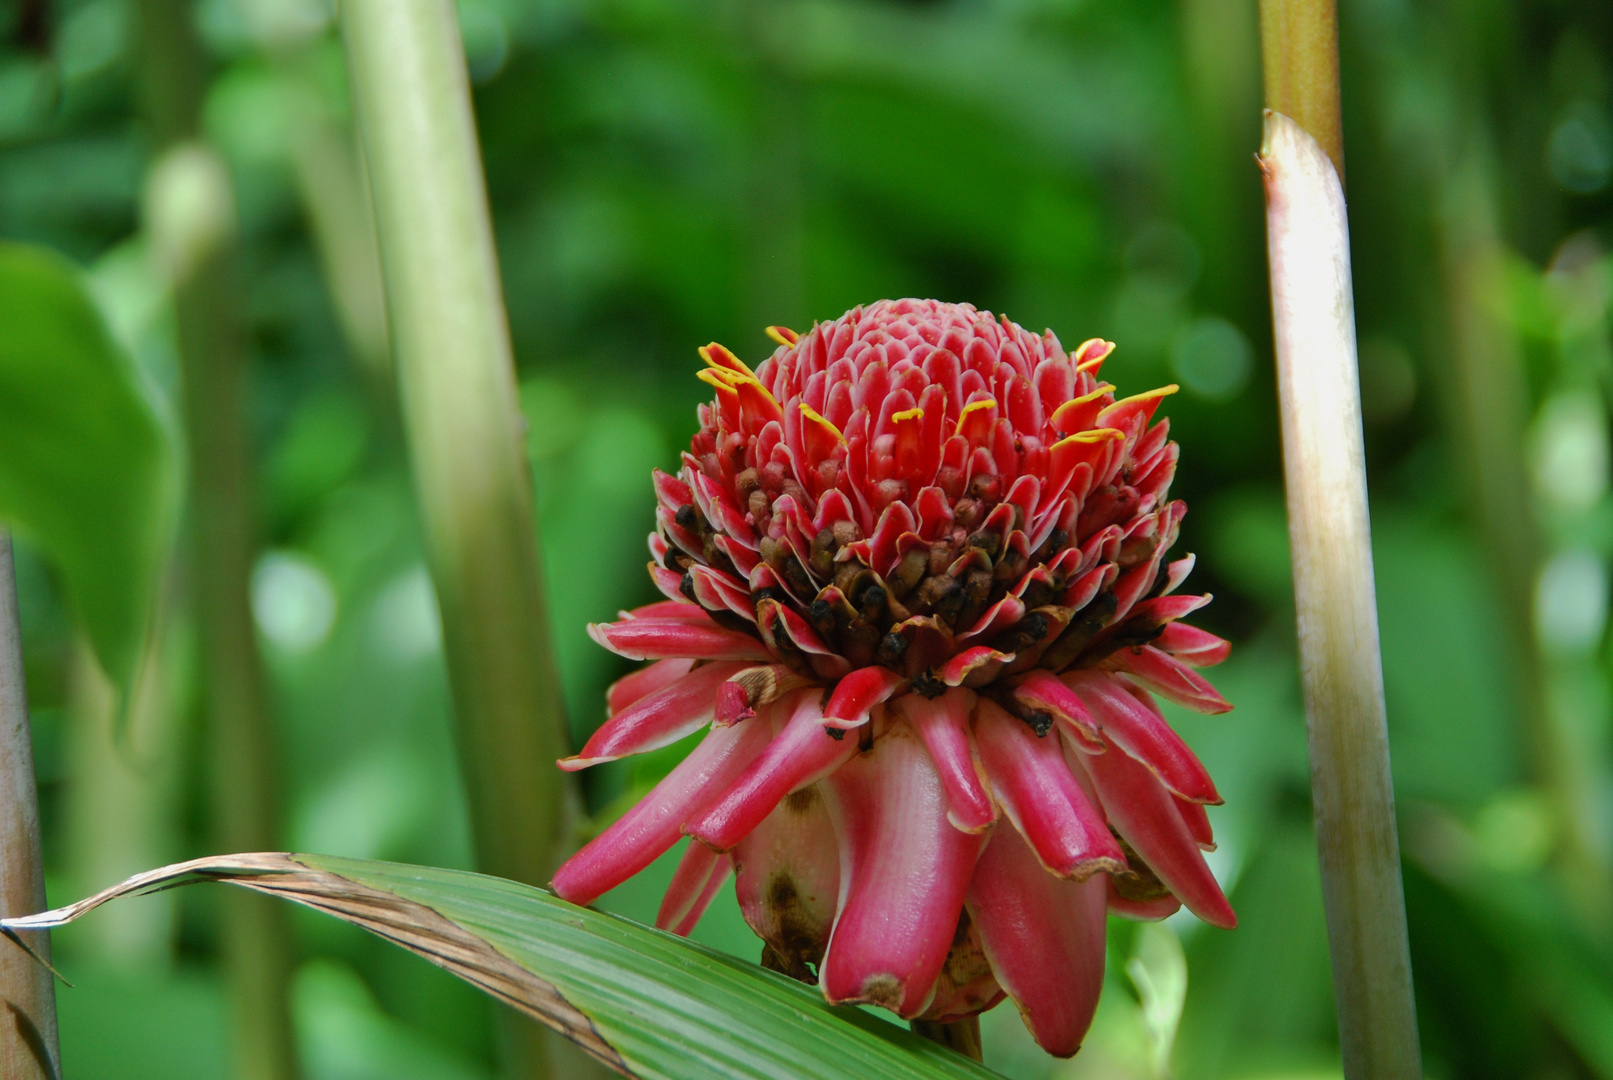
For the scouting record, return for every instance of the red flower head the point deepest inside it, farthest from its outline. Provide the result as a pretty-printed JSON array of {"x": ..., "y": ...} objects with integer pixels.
[{"x": 916, "y": 584}]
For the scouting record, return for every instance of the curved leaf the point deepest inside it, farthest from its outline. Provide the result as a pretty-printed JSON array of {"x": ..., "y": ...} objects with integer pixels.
[
  {"x": 646, "y": 1003},
  {"x": 84, "y": 464}
]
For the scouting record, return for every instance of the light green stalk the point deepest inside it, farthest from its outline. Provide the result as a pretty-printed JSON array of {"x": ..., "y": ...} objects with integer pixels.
[
  {"x": 191, "y": 220},
  {"x": 121, "y": 807},
  {"x": 457, "y": 376},
  {"x": 28, "y": 1049},
  {"x": 1325, "y": 468}
]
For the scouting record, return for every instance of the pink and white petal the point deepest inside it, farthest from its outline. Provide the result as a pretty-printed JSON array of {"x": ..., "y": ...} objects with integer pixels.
[
  {"x": 1045, "y": 938},
  {"x": 653, "y": 825},
  {"x": 1042, "y": 796},
  {"x": 744, "y": 559},
  {"x": 700, "y": 873},
  {"x": 1193, "y": 646},
  {"x": 773, "y": 617},
  {"x": 646, "y": 680},
  {"x": 719, "y": 878},
  {"x": 1171, "y": 679},
  {"x": 1039, "y": 690},
  {"x": 658, "y": 719},
  {"x": 677, "y": 608},
  {"x": 670, "y": 491},
  {"x": 716, "y": 591},
  {"x": 904, "y": 871},
  {"x": 1146, "y": 816},
  {"x": 974, "y": 667},
  {"x": 1000, "y": 616},
  {"x": 662, "y": 638},
  {"x": 802, "y": 753},
  {"x": 1136, "y": 727},
  {"x": 669, "y": 582},
  {"x": 1163, "y": 609},
  {"x": 1198, "y": 822},
  {"x": 788, "y": 878},
  {"x": 1176, "y": 573},
  {"x": 942, "y": 724},
  {"x": 855, "y": 696}
]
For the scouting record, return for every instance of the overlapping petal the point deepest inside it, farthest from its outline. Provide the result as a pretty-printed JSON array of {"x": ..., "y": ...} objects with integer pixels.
[{"x": 905, "y": 870}]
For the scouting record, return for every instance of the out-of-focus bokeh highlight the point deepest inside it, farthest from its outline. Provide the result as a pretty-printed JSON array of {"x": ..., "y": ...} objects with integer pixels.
[{"x": 667, "y": 172}]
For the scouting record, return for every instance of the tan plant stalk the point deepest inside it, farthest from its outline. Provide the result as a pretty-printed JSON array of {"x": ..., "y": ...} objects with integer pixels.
[
  {"x": 28, "y": 1047},
  {"x": 457, "y": 377},
  {"x": 1299, "y": 41},
  {"x": 1324, "y": 465}
]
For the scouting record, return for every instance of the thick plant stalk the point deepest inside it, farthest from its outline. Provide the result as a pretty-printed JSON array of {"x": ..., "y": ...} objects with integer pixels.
[
  {"x": 1324, "y": 465},
  {"x": 242, "y": 758},
  {"x": 28, "y": 1047},
  {"x": 457, "y": 378},
  {"x": 1299, "y": 41},
  {"x": 191, "y": 225}
]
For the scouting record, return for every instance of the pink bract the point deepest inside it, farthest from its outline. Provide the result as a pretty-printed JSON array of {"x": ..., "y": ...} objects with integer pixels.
[{"x": 916, "y": 586}]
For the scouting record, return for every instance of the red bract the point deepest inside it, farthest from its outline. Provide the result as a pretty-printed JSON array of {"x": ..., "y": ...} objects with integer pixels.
[{"x": 916, "y": 585}]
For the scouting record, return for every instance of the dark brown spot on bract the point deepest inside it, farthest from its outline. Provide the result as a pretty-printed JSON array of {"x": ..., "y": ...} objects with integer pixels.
[
  {"x": 781, "y": 892},
  {"x": 884, "y": 990},
  {"x": 797, "y": 939}
]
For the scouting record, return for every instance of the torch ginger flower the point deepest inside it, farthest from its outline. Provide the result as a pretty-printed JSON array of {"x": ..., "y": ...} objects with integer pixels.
[{"x": 916, "y": 584}]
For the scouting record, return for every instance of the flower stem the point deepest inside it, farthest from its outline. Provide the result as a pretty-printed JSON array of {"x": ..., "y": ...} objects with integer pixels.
[
  {"x": 457, "y": 378},
  {"x": 960, "y": 1035},
  {"x": 30, "y": 1034},
  {"x": 1324, "y": 464}
]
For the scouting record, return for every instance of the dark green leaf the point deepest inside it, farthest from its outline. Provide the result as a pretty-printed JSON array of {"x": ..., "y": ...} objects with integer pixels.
[{"x": 85, "y": 467}]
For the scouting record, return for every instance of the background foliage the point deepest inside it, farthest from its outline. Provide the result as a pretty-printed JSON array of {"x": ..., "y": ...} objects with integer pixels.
[{"x": 666, "y": 172}]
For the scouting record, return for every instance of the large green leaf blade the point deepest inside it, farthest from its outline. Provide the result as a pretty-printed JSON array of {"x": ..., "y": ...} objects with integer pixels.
[
  {"x": 85, "y": 467},
  {"x": 647, "y": 1003},
  {"x": 671, "y": 1007}
]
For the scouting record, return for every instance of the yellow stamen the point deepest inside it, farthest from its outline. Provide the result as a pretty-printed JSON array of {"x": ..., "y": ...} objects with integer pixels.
[
  {"x": 817, "y": 418},
  {"x": 730, "y": 380},
  {"x": 1096, "y": 435},
  {"x": 718, "y": 356},
  {"x": 783, "y": 335},
  {"x": 975, "y": 407},
  {"x": 1103, "y": 388},
  {"x": 1074, "y": 404},
  {"x": 1147, "y": 395},
  {"x": 721, "y": 378},
  {"x": 914, "y": 413}
]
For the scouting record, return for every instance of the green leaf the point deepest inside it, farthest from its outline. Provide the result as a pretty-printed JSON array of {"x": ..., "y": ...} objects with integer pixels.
[
  {"x": 646, "y": 1003},
  {"x": 85, "y": 467}
]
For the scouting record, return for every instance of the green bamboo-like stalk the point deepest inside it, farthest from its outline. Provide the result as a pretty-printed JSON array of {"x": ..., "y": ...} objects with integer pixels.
[
  {"x": 28, "y": 1046},
  {"x": 457, "y": 377},
  {"x": 200, "y": 251},
  {"x": 1324, "y": 465}
]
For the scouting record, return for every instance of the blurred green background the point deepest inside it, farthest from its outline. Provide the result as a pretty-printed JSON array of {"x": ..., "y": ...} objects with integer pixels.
[{"x": 667, "y": 172}]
